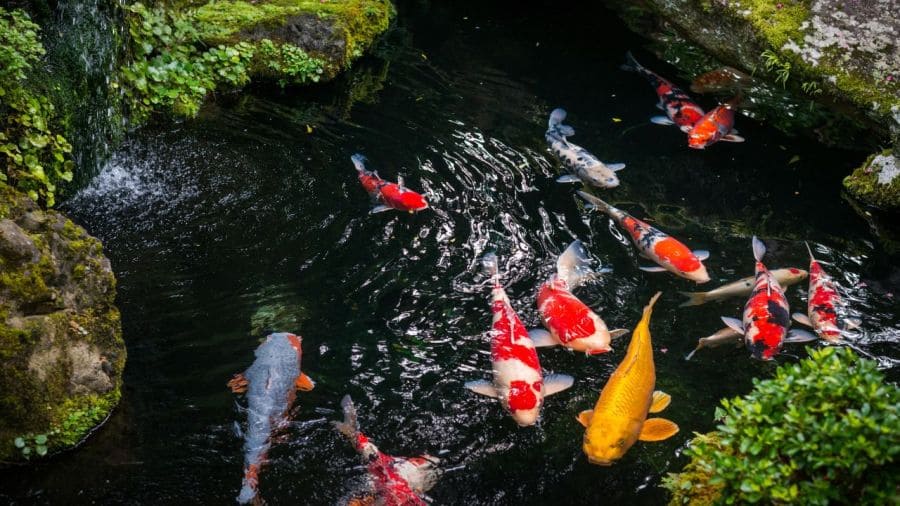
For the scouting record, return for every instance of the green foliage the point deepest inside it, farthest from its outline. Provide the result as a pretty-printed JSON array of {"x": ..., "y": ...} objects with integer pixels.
[
  {"x": 33, "y": 157},
  {"x": 170, "y": 72},
  {"x": 30, "y": 445},
  {"x": 289, "y": 62},
  {"x": 825, "y": 430},
  {"x": 775, "y": 65}
]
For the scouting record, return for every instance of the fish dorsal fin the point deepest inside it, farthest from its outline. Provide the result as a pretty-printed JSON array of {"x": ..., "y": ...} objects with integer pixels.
[
  {"x": 584, "y": 418},
  {"x": 660, "y": 401},
  {"x": 657, "y": 429}
]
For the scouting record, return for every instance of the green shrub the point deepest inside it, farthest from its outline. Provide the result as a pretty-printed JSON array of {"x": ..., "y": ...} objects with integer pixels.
[
  {"x": 33, "y": 157},
  {"x": 825, "y": 430}
]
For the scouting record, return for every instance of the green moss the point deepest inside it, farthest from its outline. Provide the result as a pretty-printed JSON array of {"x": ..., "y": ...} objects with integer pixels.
[
  {"x": 863, "y": 184},
  {"x": 77, "y": 416},
  {"x": 778, "y": 21}
]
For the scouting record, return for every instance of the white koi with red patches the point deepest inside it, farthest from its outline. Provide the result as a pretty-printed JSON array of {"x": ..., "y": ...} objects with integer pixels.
[{"x": 518, "y": 380}]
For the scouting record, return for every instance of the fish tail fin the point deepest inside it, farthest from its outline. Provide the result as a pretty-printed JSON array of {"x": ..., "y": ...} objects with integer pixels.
[
  {"x": 811, "y": 257},
  {"x": 554, "y": 124},
  {"x": 631, "y": 65},
  {"x": 348, "y": 427},
  {"x": 693, "y": 298},
  {"x": 597, "y": 203},
  {"x": 644, "y": 324},
  {"x": 359, "y": 161},
  {"x": 249, "y": 485},
  {"x": 759, "y": 249},
  {"x": 573, "y": 265},
  {"x": 491, "y": 266}
]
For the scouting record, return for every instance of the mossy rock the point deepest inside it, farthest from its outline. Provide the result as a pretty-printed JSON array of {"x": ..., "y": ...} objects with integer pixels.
[
  {"x": 337, "y": 31},
  {"x": 838, "y": 53},
  {"x": 61, "y": 348},
  {"x": 877, "y": 182}
]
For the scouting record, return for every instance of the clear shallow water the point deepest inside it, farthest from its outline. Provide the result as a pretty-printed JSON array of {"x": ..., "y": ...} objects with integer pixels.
[{"x": 242, "y": 221}]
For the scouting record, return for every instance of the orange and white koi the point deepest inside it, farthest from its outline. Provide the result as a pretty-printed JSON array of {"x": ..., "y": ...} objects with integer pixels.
[
  {"x": 669, "y": 254},
  {"x": 766, "y": 317},
  {"x": 822, "y": 304},
  {"x": 390, "y": 195},
  {"x": 570, "y": 322},
  {"x": 680, "y": 109},
  {"x": 518, "y": 382},
  {"x": 716, "y": 125},
  {"x": 271, "y": 384},
  {"x": 396, "y": 481}
]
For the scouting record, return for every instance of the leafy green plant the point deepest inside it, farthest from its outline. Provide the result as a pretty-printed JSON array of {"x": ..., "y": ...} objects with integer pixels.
[
  {"x": 825, "y": 430},
  {"x": 775, "y": 65},
  {"x": 290, "y": 63},
  {"x": 33, "y": 157},
  {"x": 811, "y": 88},
  {"x": 30, "y": 445}
]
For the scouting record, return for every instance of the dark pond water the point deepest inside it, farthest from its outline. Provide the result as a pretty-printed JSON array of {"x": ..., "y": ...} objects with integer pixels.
[{"x": 243, "y": 220}]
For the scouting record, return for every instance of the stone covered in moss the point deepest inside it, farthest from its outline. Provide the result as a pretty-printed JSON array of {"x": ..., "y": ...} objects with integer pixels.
[
  {"x": 336, "y": 31},
  {"x": 61, "y": 348},
  {"x": 876, "y": 182}
]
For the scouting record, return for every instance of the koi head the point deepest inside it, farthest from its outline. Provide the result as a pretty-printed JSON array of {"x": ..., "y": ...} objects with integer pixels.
[
  {"x": 602, "y": 177},
  {"x": 700, "y": 136},
  {"x": 795, "y": 275},
  {"x": 524, "y": 400},
  {"x": 605, "y": 447},
  {"x": 249, "y": 486},
  {"x": 698, "y": 275}
]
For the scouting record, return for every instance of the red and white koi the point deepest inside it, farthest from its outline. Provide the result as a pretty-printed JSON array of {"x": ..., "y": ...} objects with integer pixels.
[
  {"x": 390, "y": 195},
  {"x": 716, "y": 125},
  {"x": 668, "y": 253},
  {"x": 518, "y": 381},
  {"x": 570, "y": 322},
  {"x": 396, "y": 481},
  {"x": 822, "y": 304},
  {"x": 766, "y": 317},
  {"x": 271, "y": 384},
  {"x": 680, "y": 109}
]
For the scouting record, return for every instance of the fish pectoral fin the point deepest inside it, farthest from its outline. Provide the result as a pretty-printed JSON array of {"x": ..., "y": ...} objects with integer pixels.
[
  {"x": 556, "y": 383},
  {"x": 568, "y": 178},
  {"x": 802, "y": 319},
  {"x": 701, "y": 254},
  {"x": 541, "y": 338},
  {"x": 653, "y": 268},
  {"x": 615, "y": 167},
  {"x": 304, "y": 383},
  {"x": 483, "y": 387},
  {"x": 734, "y": 324},
  {"x": 584, "y": 418},
  {"x": 799, "y": 336},
  {"x": 852, "y": 323},
  {"x": 238, "y": 383},
  {"x": 379, "y": 209},
  {"x": 686, "y": 129},
  {"x": 618, "y": 333},
  {"x": 657, "y": 429},
  {"x": 660, "y": 401},
  {"x": 661, "y": 120},
  {"x": 732, "y": 138}
]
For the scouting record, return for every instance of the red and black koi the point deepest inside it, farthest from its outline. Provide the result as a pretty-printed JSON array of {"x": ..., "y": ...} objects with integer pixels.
[
  {"x": 570, "y": 322},
  {"x": 396, "y": 481},
  {"x": 716, "y": 125},
  {"x": 271, "y": 384},
  {"x": 766, "y": 317},
  {"x": 390, "y": 195},
  {"x": 822, "y": 305},
  {"x": 518, "y": 383},
  {"x": 680, "y": 109},
  {"x": 668, "y": 253}
]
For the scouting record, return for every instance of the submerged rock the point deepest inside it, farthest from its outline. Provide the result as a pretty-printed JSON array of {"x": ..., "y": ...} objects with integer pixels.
[{"x": 60, "y": 337}]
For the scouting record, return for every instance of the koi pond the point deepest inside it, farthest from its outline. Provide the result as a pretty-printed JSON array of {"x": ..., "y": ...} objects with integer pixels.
[{"x": 250, "y": 219}]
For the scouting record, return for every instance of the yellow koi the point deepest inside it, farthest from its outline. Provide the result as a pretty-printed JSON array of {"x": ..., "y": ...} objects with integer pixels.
[{"x": 620, "y": 416}]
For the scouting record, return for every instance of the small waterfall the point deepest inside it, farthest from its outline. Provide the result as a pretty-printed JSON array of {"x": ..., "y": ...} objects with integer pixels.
[{"x": 84, "y": 42}]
